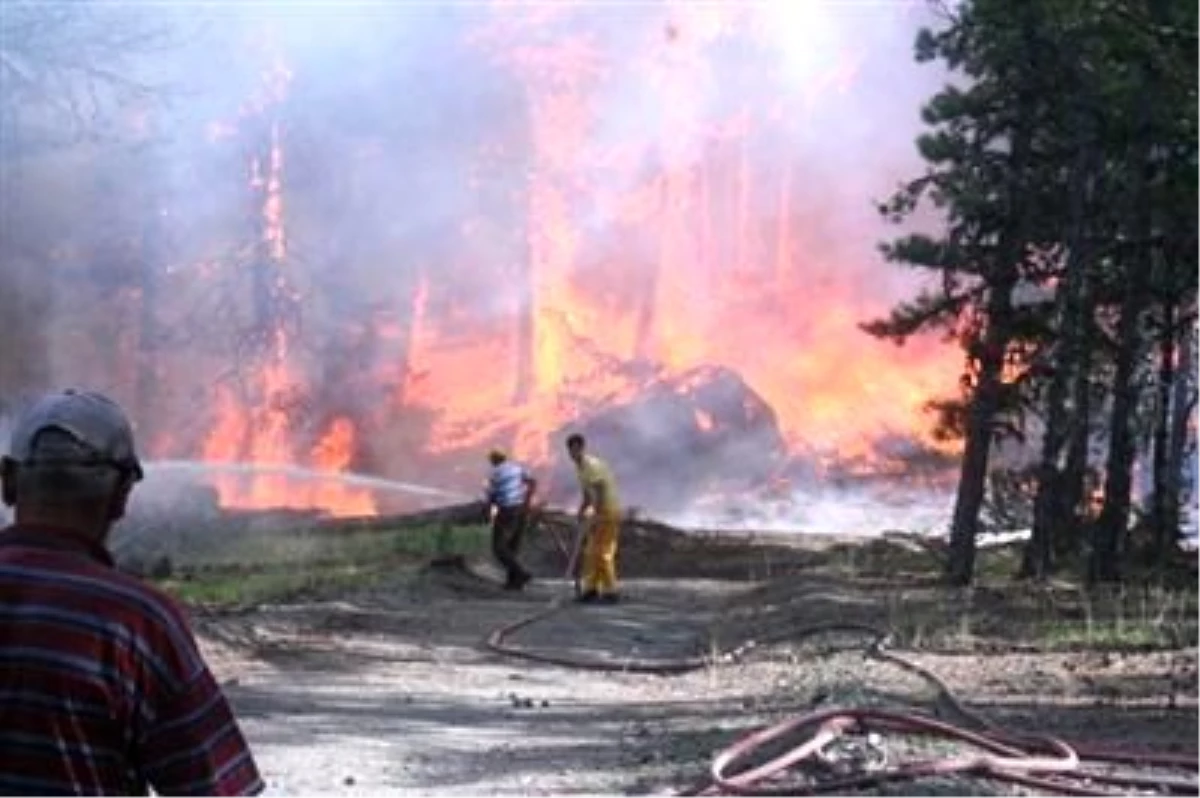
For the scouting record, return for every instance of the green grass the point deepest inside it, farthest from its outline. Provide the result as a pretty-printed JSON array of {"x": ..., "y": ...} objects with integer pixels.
[
  {"x": 259, "y": 568},
  {"x": 1109, "y": 636},
  {"x": 896, "y": 585},
  {"x": 919, "y": 561},
  {"x": 1044, "y": 618},
  {"x": 224, "y": 589}
]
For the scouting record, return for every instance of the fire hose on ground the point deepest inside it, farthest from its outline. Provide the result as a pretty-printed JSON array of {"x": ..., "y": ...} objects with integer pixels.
[
  {"x": 1032, "y": 761},
  {"x": 1038, "y": 762}
]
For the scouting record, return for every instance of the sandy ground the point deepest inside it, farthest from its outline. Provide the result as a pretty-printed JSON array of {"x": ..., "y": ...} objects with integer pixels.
[{"x": 391, "y": 690}]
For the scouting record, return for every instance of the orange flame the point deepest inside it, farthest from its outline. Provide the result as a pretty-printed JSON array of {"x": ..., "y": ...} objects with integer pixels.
[
  {"x": 262, "y": 431},
  {"x": 709, "y": 281},
  {"x": 261, "y": 435},
  {"x": 335, "y": 452},
  {"x": 721, "y": 260}
]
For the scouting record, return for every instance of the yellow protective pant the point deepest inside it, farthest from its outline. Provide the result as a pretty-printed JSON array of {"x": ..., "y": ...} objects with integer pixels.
[{"x": 600, "y": 556}]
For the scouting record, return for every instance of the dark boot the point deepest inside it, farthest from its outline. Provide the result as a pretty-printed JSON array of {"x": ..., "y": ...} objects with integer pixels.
[{"x": 517, "y": 580}]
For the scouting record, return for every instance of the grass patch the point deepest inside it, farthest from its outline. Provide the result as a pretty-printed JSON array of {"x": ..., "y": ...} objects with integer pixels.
[
  {"x": 221, "y": 588},
  {"x": 913, "y": 558},
  {"x": 1047, "y": 618},
  {"x": 259, "y": 568},
  {"x": 895, "y": 585},
  {"x": 1073, "y": 636}
]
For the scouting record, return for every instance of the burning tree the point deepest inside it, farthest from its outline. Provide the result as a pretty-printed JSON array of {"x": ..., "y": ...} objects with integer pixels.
[{"x": 430, "y": 232}]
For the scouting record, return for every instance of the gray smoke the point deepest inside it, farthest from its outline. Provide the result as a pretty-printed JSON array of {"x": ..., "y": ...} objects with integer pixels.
[{"x": 406, "y": 139}]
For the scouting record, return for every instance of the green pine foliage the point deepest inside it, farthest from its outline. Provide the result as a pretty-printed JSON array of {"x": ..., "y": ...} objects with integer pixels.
[{"x": 1061, "y": 162}]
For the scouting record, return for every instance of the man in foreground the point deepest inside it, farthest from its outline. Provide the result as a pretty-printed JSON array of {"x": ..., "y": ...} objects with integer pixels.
[
  {"x": 102, "y": 688},
  {"x": 600, "y": 511},
  {"x": 510, "y": 490}
]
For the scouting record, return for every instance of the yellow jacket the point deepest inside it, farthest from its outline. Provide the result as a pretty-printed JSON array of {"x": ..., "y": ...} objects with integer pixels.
[{"x": 596, "y": 481}]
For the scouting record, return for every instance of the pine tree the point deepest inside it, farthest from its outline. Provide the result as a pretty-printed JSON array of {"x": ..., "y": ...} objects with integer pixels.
[
  {"x": 1154, "y": 72},
  {"x": 983, "y": 177},
  {"x": 1064, "y": 172}
]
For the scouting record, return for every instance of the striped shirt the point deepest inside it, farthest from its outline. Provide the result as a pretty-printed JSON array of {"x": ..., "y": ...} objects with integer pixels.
[
  {"x": 102, "y": 688},
  {"x": 506, "y": 484}
]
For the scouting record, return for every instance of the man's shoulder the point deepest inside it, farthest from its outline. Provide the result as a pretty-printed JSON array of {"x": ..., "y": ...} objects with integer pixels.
[
  {"x": 107, "y": 587},
  {"x": 592, "y": 466},
  {"x": 155, "y": 597},
  {"x": 159, "y": 619},
  {"x": 511, "y": 468}
]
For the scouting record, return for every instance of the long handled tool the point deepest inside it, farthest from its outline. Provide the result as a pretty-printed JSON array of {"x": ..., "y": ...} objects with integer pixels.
[
  {"x": 581, "y": 533},
  {"x": 555, "y": 534}
]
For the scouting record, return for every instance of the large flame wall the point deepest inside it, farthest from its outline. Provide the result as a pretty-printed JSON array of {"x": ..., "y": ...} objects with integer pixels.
[
  {"x": 668, "y": 185},
  {"x": 682, "y": 223}
]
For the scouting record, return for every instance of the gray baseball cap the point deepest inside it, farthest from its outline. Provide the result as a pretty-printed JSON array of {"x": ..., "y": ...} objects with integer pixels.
[{"x": 96, "y": 422}]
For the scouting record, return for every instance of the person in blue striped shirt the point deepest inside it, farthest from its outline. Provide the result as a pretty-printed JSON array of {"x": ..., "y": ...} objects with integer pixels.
[{"x": 510, "y": 490}]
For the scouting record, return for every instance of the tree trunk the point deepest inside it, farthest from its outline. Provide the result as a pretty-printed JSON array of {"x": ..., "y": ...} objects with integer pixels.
[
  {"x": 972, "y": 481},
  {"x": 1074, "y": 478},
  {"x": 1184, "y": 401},
  {"x": 1049, "y": 511},
  {"x": 1002, "y": 278},
  {"x": 1182, "y": 404},
  {"x": 1165, "y": 522},
  {"x": 1113, "y": 525}
]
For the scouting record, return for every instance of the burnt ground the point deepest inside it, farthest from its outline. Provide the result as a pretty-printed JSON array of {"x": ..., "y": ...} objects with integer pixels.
[{"x": 389, "y": 688}]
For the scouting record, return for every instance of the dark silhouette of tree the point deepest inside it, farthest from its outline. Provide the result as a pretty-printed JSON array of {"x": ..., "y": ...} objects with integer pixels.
[
  {"x": 981, "y": 172},
  {"x": 1064, "y": 170}
]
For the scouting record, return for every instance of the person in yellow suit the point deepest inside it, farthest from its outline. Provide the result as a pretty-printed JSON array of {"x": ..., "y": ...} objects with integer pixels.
[{"x": 601, "y": 509}]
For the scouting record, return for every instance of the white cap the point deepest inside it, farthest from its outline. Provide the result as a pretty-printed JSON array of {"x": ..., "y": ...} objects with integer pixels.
[{"x": 96, "y": 422}]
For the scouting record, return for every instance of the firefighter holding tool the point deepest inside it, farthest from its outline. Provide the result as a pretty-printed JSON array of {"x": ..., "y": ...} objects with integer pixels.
[{"x": 600, "y": 518}]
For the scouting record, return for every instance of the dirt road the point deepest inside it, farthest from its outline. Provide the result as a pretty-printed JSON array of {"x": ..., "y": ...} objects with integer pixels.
[{"x": 391, "y": 690}]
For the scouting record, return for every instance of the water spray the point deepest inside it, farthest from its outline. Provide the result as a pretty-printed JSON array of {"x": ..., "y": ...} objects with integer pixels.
[{"x": 301, "y": 473}]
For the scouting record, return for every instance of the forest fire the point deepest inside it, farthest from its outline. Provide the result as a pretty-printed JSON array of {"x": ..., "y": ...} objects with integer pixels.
[
  {"x": 662, "y": 230},
  {"x": 260, "y": 431}
]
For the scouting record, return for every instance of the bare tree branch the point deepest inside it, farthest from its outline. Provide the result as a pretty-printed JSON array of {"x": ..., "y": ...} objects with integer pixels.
[{"x": 68, "y": 70}]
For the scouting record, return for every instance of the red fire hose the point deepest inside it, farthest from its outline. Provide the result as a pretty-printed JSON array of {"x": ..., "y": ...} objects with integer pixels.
[{"x": 1044, "y": 763}]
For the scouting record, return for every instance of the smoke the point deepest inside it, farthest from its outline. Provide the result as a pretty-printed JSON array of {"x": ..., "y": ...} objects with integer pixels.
[
  {"x": 699, "y": 176},
  {"x": 821, "y": 510}
]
